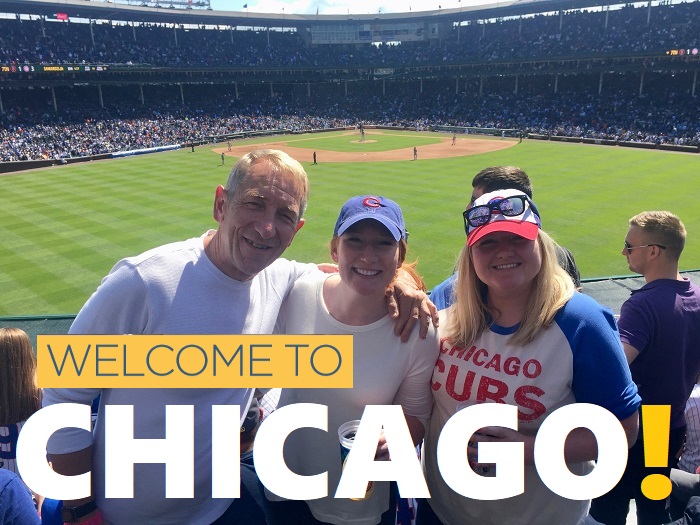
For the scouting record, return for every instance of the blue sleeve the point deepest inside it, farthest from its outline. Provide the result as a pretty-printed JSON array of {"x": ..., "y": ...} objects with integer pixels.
[
  {"x": 601, "y": 375},
  {"x": 51, "y": 512},
  {"x": 441, "y": 295},
  {"x": 16, "y": 505}
]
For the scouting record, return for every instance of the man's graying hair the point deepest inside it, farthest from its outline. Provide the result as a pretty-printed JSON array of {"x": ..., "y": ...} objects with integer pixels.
[{"x": 279, "y": 162}]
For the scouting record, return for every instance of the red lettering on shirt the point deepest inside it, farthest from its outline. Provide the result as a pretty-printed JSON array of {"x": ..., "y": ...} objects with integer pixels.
[
  {"x": 440, "y": 365},
  {"x": 480, "y": 352},
  {"x": 511, "y": 366},
  {"x": 492, "y": 389},
  {"x": 444, "y": 345},
  {"x": 536, "y": 409},
  {"x": 468, "y": 355},
  {"x": 459, "y": 350},
  {"x": 495, "y": 363},
  {"x": 466, "y": 386},
  {"x": 532, "y": 368},
  {"x": 462, "y": 384}
]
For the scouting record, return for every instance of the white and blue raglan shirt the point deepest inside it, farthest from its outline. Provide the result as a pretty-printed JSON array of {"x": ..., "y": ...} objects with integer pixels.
[{"x": 579, "y": 358}]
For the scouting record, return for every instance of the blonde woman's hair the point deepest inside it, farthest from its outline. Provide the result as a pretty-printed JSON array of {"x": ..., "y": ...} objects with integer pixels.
[
  {"x": 19, "y": 395},
  {"x": 551, "y": 289}
]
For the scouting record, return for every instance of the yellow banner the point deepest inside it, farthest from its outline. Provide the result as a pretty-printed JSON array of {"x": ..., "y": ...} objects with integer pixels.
[{"x": 195, "y": 361}]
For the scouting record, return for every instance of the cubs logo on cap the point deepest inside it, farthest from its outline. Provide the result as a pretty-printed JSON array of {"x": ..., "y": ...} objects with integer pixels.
[{"x": 381, "y": 209}]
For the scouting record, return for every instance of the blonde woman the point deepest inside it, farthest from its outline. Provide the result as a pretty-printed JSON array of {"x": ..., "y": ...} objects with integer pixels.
[{"x": 519, "y": 334}]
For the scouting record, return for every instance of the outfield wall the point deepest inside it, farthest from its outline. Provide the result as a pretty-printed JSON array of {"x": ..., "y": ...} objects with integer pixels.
[
  {"x": 609, "y": 291},
  {"x": 624, "y": 144},
  {"x": 22, "y": 165}
]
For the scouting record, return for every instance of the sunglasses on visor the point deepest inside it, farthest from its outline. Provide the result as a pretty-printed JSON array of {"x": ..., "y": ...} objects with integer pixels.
[{"x": 509, "y": 207}]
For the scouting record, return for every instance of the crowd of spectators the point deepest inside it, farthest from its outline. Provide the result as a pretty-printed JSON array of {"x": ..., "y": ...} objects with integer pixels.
[
  {"x": 81, "y": 129},
  {"x": 161, "y": 128},
  {"x": 665, "y": 111},
  {"x": 580, "y": 33}
]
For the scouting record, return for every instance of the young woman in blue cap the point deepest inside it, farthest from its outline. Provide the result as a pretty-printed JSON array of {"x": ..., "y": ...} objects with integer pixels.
[{"x": 368, "y": 245}]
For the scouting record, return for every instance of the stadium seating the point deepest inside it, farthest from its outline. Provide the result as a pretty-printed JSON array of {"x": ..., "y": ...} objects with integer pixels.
[{"x": 586, "y": 74}]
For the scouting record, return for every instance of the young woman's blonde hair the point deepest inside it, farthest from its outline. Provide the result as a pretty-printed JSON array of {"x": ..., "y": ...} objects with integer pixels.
[
  {"x": 19, "y": 395},
  {"x": 551, "y": 289}
]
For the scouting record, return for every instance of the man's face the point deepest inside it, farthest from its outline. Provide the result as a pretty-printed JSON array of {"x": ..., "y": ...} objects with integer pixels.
[
  {"x": 637, "y": 254},
  {"x": 257, "y": 223}
]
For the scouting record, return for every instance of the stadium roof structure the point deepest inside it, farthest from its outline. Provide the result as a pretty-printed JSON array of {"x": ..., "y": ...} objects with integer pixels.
[{"x": 109, "y": 10}]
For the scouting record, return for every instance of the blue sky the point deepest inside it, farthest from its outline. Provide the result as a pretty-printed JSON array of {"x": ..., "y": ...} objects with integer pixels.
[{"x": 337, "y": 7}]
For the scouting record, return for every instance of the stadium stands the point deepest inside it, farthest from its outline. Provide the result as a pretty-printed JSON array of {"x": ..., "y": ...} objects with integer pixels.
[{"x": 594, "y": 74}]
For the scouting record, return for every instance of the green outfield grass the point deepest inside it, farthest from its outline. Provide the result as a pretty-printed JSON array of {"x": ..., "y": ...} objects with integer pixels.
[{"x": 63, "y": 228}]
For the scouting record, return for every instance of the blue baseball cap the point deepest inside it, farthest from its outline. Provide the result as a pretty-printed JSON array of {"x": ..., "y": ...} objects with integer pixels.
[{"x": 381, "y": 209}]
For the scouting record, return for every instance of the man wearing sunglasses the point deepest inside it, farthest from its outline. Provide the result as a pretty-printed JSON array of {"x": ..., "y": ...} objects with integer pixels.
[
  {"x": 491, "y": 179},
  {"x": 660, "y": 332}
]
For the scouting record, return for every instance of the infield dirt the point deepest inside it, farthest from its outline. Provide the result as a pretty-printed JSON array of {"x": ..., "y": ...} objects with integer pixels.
[{"x": 464, "y": 146}]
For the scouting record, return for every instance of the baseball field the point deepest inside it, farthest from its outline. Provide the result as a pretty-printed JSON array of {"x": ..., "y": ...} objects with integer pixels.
[{"x": 64, "y": 227}]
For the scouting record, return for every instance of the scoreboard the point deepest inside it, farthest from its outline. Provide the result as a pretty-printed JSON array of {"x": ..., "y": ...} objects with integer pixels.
[{"x": 50, "y": 68}]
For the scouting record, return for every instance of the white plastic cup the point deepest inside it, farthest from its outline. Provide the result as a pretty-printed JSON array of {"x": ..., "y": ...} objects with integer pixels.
[{"x": 346, "y": 436}]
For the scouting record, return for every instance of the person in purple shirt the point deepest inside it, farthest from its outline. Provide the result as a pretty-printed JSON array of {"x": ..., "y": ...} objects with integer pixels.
[{"x": 660, "y": 329}]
